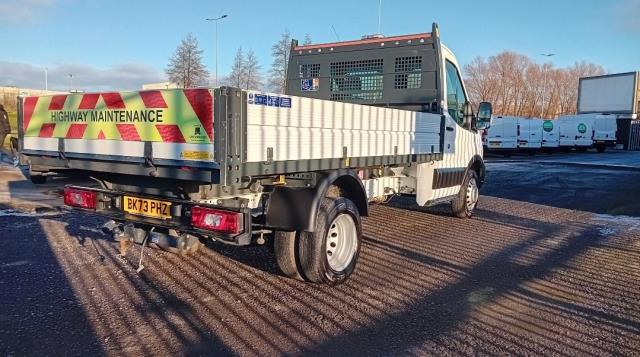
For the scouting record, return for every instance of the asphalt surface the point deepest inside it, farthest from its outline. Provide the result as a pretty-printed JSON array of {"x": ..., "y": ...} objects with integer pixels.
[{"x": 535, "y": 272}]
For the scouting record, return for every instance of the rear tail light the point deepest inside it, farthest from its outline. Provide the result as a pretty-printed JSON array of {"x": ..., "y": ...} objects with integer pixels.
[
  {"x": 216, "y": 220},
  {"x": 80, "y": 198}
]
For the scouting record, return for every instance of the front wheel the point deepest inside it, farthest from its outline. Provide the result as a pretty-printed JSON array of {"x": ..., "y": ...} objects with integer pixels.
[
  {"x": 329, "y": 254},
  {"x": 601, "y": 148},
  {"x": 468, "y": 196}
]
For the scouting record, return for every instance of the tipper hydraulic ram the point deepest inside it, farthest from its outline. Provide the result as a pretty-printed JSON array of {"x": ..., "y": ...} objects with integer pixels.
[{"x": 359, "y": 121}]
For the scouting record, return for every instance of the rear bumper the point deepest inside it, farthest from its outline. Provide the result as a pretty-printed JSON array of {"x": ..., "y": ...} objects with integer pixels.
[
  {"x": 109, "y": 204},
  {"x": 607, "y": 143},
  {"x": 184, "y": 171}
]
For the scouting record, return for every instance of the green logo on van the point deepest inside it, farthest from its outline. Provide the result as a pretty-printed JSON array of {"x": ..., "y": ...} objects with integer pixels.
[
  {"x": 547, "y": 126},
  {"x": 582, "y": 128}
]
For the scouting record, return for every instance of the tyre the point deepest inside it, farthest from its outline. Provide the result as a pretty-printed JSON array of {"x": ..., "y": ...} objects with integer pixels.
[
  {"x": 566, "y": 149},
  {"x": 38, "y": 179},
  {"x": 467, "y": 199},
  {"x": 582, "y": 149},
  {"x": 329, "y": 254},
  {"x": 285, "y": 246},
  {"x": 601, "y": 149}
]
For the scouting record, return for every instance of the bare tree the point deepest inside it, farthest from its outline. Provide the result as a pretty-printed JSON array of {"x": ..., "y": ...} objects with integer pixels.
[
  {"x": 307, "y": 39},
  {"x": 237, "y": 76},
  {"x": 253, "y": 78},
  {"x": 516, "y": 85},
  {"x": 185, "y": 67},
  {"x": 280, "y": 54}
]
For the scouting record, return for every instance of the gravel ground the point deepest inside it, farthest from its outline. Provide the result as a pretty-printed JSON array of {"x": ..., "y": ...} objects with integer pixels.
[{"x": 520, "y": 278}]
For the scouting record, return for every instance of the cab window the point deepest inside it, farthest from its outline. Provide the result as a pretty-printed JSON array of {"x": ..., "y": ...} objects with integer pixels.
[{"x": 455, "y": 93}]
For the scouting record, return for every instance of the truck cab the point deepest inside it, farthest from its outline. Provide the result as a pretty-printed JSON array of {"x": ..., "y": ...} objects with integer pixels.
[{"x": 410, "y": 72}]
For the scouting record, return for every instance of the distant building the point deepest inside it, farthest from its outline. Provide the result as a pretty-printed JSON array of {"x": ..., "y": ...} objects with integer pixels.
[
  {"x": 8, "y": 95},
  {"x": 160, "y": 85}
]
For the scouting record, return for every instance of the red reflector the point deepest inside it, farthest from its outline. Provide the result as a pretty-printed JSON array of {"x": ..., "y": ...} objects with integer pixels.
[
  {"x": 216, "y": 220},
  {"x": 80, "y": 198}
]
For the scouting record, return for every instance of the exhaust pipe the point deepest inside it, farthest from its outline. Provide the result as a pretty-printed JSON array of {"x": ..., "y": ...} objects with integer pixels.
[{"x": 184, "y": 243}]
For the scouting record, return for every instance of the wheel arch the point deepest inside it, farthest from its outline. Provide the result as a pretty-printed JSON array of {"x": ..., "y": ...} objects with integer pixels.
[
  {"x": 477, "y": 164},
  {"x": 295, "y": 209}
]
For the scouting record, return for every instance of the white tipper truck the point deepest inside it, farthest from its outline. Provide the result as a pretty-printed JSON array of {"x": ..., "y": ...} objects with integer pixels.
[{"x": 359, "y": 121}]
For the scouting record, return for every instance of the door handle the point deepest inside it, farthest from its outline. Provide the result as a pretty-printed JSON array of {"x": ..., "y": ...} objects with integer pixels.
[{"x": 449, "y": 128}]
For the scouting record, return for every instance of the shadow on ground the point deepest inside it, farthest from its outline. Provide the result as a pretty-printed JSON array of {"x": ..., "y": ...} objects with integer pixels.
[{"x": 557, "y": 282}]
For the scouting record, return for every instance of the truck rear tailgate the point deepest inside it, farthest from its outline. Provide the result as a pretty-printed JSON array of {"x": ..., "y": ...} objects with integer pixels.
[{"x": 170, "y": 126}]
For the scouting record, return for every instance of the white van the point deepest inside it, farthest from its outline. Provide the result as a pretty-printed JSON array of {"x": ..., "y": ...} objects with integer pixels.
[
  {"x": 502, "y": 135},
  {"x": 550, "y": 135},
  {"x": 604, "y": 131},
  {"x": 529, "y": 134},
  {"x": 576, "y": 131}
]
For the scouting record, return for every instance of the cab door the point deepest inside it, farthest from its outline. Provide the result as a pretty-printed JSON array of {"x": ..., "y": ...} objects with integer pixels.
[
  {"x": 442, "y": 179},
  {"x": 461, "y": 143}
]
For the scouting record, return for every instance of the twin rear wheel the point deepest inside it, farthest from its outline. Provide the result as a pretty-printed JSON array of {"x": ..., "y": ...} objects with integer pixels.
[{"x": 327, "y": 255}]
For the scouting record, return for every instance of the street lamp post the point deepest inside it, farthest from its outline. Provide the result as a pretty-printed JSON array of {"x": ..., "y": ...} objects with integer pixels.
[
  {"x": 46, "y": 78},
  {"x": 216, "y": 19},
  {"x": 544, "y": 84},
  {"x": 70, "y": 82}
]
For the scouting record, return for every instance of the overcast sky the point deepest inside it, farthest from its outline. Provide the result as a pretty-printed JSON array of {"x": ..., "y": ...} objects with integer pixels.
[{"x": 122, "y": 44}]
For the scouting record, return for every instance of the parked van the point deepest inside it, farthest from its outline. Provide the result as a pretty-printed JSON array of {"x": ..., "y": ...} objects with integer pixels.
[
  {"x": 550, "y": 135},
  {"x": 604, "y": 131},
  {"x": 576, "y": 131},
  {"x": 502, "y": 135},
  {"x": 529, "y": 135}
]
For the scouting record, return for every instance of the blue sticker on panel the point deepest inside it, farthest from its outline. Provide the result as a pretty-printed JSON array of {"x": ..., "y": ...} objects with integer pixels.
[
  {"x": 270, "y": 100},
  {"x": 309, "y": 84}
]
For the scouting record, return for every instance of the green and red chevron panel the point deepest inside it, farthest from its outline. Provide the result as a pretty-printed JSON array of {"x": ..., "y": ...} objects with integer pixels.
[{"x": 170, "y": 115}]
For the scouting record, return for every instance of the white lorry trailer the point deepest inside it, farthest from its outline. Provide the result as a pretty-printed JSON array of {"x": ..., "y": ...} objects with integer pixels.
[
  {"x": 576, "y": 132},
  {"x": 359, "y": 121},
  {"x": 529, "y": 135},
  {"x": 617, "y": 95},
  {"x": 502, "y": 136}
]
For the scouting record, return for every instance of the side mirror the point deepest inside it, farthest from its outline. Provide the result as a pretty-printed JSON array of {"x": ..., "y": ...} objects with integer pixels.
[{"x": 485, "y": 111}]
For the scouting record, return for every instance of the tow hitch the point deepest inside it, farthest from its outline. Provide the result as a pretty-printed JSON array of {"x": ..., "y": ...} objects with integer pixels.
[{"x": 128, "y": 234}]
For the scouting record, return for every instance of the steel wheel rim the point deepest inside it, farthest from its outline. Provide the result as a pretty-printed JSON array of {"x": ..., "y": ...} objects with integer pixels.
[
  {"x": 342, "y": 242},
  {"x": 472, "y": 194}
]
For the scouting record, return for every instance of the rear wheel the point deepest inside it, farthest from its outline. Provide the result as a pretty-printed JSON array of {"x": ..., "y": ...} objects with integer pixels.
[
  {"x": 285, "y": 245},
  {"x": 329, "y": 254},
  {"x": 601, "y": 148},
  {"x": 468, "y": 196}
]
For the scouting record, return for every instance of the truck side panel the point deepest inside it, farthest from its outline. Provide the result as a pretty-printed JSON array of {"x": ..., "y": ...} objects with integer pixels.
[{"x": 320, "y": 129}]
